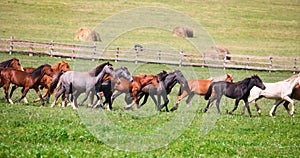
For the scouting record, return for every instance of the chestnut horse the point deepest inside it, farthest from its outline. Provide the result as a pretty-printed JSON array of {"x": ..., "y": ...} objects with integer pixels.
[
  {"x": 45, "y": 82},
  {"x": 25, "y": 80},
  {"x": 199, "y": 87},
  {"x": 125, "y": 86}
]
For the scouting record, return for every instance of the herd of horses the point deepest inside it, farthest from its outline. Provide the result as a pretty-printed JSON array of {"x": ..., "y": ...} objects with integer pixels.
[{"x": 58, "y": 80}]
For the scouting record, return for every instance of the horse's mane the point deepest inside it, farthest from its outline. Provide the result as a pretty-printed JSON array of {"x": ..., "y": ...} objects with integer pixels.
[
  {"x": 245, "y": 81},
  {"x": 162, "y": 75},
  {"x": 7, "y": 63},
  {"x": 98, "y": 69},
  {"x": 38, "y": 71},
  {"x": 292, "y": 78}
]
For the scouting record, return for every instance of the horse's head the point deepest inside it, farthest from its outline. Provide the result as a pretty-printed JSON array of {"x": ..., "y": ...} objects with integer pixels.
[
  {"x": 181, "y": 80},
  {"x": 123, "y": 72},
  {"x": 47, "y": 69},
  {"x": 61, "y": 67},
  {"x": 162, "y": 75},
  {"x": 229, "y": 77},
  {"x": 258, "y": 82},
  {"x": 15, "y": 63}
]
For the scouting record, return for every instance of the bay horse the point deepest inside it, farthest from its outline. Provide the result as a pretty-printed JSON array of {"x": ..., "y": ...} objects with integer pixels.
[
  {"x": 75, "y": 83},
  {"x": 280, "y": 91},
  {"x": 199, "y": 87},
  {"x": 12, "y": 63},
  {"x": 45, "y": 82},
  {"x": 134, "y": 87},
  {"x": 235, "y": 90},
  {"x": 25, "y": 80},
  {"x": 168, "y": 81},
  {"x": 107, "y": 86}
]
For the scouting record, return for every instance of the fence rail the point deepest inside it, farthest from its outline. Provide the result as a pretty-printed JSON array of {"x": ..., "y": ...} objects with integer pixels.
[{"x": 176, "y": 57}]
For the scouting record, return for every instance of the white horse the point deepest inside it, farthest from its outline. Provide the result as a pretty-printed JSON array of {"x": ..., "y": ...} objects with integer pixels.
[{"x": 280, "y": 91}]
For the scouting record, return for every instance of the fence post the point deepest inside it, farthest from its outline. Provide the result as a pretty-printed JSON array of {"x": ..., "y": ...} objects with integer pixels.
[
  {"x": 95, "y": 48},
  {"x": 248, "y": 61},
  {"x": 271, "y": 64},
  {"x": 224, "y": 62},
  {"x": 203, "y": 60},
  {"x": 11, "y": 45},
  {"x": 181, "y": 58},
  {"x": 51, "y": 48},
  {"x": 73, "y": 52},
  {"x": 295, "y": 65},
  {"x": 136, "y": 55},
  {"x": 31, "y": 50},
  {"x": 159, "y": 55},
  {"x": 117, "y": 54}
]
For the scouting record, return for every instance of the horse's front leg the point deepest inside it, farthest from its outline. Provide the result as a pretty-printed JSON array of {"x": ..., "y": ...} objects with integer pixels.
[
  {"x": 40, "y": 95},
  {"x": 235, "y": 106},
  {"x": 291, "y": 112},
  {"x": 247, "y": 106},
  {"x": 116, "y": 95}
]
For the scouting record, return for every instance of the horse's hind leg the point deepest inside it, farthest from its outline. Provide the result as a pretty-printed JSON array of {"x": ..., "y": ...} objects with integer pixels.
[
  {"x": 273, "y": 110},
  {"x": 179, "y": 98},
  {"x": 210, "y": 102},
  {"x": 236, "y": 106},
  {"x": 286, "y": 106},
  {"x": 188, "y": 100},
  {"x": 57, "y": 95}
]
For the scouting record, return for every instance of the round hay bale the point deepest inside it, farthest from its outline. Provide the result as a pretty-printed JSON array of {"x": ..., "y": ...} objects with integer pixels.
[
  {"x": 85, "y": 34},
  {"x": 183, "y": 31}
]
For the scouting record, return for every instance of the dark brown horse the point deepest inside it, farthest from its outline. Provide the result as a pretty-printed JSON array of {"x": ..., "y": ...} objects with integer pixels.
[
  {"x": 25, "y": 80},
  {"x": 235, "y": 90}
]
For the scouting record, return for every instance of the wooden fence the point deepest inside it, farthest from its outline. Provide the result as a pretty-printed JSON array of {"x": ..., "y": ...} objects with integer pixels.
[{"x": 177, "y": 57}]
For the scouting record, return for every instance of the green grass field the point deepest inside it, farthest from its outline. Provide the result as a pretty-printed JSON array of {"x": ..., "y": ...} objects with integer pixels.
[{"x": 245, "y": 27}]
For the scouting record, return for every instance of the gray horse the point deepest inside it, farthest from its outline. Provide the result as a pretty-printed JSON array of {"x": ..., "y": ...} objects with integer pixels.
[{"x": 75, "y": 83}]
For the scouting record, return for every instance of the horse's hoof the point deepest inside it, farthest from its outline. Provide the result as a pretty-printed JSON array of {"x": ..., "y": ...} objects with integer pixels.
[
  {"x": 204, "y": 110},
  {"x": 230, "y": 113},
  {"x": 173, "y": 109},
  {"x": 127, "y": 107}
]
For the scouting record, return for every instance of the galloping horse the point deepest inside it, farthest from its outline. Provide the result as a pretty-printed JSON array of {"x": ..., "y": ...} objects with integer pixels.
[
  {"x": 238, "y": 90},
  {"x": 107, "y": 85},
  {"x": 12, "y": 63},
  {"x": 134, "y": 87},
  {"x": 25, "y": 80},
  {"x": 280, "y": 91},
  {"x": 199, "y": 87},
  {"x": 75, "y": 83},
  {"x": 168, "y": 81},
  {"x": 45, "y": 82}
]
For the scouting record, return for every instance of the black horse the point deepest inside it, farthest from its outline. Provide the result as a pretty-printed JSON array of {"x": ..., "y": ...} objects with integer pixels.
[
  {"x": 238, "y": 90},
  {"x": 107, "y": 87},
  {"x": 167, "y": 81}
]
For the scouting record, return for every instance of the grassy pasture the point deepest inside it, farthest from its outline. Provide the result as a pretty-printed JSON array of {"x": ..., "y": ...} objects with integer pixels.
[
  {"x": 245, "y": 27},
  {"x": 32, "y": 131}
]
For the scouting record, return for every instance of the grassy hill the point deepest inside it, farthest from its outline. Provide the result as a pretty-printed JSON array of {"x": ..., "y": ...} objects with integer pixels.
[{"x": 245, "y": 27}]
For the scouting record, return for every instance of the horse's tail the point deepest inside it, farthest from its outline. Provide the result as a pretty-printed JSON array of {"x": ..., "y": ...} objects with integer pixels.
[
  {"x": 209, "y": 91},
  {"x": 55, "y": 82}
]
